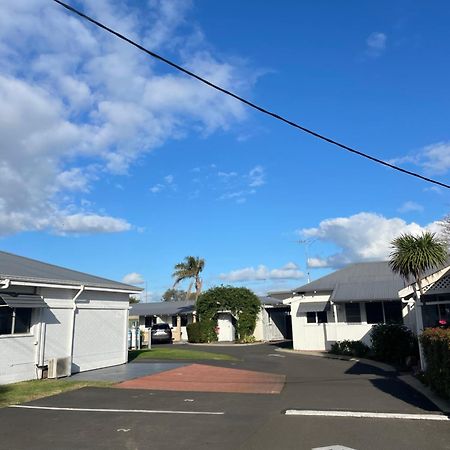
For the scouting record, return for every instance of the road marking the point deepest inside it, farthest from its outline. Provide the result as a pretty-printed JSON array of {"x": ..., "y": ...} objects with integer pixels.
[
  {"x": 126, "y": 430},
  {"x": 147, "y": 411},
  {"x": 371, "y": 415},
  {"x": 333, "y": 447},
  {"x": 276, "y": 355}
]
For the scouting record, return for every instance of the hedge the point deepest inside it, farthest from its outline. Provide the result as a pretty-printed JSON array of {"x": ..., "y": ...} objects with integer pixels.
[
  {"x": 393, "y": 343},
  {"x": 436, "y": 348},
  {"x": 202, "y": 332}
]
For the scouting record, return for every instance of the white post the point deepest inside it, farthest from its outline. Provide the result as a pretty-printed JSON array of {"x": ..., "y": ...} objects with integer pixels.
[{"x": 419, "y": 326}]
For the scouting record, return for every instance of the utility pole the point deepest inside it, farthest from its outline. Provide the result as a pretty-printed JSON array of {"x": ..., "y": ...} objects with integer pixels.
[{"x": 307, "y": 243}]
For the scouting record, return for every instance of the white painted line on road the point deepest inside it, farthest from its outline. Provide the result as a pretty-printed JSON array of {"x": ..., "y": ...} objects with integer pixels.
[
  {"x": 370, "y": 415},
  {"x": 147, "y": 411}
]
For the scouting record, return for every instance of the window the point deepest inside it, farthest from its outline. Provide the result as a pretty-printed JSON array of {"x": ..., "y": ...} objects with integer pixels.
[
  {"x": 148, "y": 321},
  {"x": 374, "y": 312},
  {"x": 14, "y": 320},
  {"x": 393, "y": 312},
  {"x": 316, "y": 317},
  {"x": 353, "y": 313},
  {"x": 184, "y": 321}
]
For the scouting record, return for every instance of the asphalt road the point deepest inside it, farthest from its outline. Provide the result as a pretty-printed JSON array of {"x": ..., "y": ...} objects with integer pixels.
[{"x": 246, "y": 421}]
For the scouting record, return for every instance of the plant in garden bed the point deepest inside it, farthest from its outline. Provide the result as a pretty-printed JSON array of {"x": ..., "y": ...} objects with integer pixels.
[
  {"x": 436, "y": 347},
  {"x": 350, "y": 348},
  {"x": 202, "y": 331},
  {"x": 393, "y": 343}
]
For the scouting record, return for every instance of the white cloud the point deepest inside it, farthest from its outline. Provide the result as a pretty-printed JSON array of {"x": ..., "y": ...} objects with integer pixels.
[
  {"x": 410, "y": 206},
  {"x": 77, "y": 105},
  {"x": 361, "y": 237},
  {"x": 169, "y": 179},
  {"x": 257, "y": 177},
  {"x": 133, "y": 278},
  {"x": 288, "y": 271},
  {"x": 89, "y": 223},
  {"x": 434, "y": 158},
  {"x": 376, "y": 43}
]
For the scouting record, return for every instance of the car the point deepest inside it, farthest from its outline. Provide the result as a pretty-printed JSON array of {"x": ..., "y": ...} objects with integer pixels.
[{"x": 161, "y": 333}]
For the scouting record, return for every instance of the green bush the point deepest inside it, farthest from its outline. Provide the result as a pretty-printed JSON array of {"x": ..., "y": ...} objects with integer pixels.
[
  {"x": 436, "y": 348},
  {"x": 393, "y": 343},
  {"x": 241, "y": 302},
  {"x": 202, "y": 332},
  {"x": 350, "y": 348}
]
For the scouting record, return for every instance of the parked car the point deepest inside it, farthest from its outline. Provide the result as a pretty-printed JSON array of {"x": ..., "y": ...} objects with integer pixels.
[{"x": 161, "y": 333}]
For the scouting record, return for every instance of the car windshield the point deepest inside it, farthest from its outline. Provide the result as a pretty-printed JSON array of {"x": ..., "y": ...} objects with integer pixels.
[{"x": 160, "y": 326}]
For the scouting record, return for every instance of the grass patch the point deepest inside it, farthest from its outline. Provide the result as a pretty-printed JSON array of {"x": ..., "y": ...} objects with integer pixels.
[
  {"x": 177, "y": 353},
  {"x": 11, "y": 394}
]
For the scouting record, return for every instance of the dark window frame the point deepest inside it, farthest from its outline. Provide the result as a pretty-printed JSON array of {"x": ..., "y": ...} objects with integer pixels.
[
  {"x": 354, "y": 316},
  {"x": 18, "y": 318}
]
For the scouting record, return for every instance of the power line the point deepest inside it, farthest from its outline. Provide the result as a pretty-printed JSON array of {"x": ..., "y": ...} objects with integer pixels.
[{"x": 248, "y": 103}]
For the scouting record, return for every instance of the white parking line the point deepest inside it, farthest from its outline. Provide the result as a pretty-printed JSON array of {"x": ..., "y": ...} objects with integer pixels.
[
  {"x": 371, "y": 415},
  {"x": 147, "y": 411}
]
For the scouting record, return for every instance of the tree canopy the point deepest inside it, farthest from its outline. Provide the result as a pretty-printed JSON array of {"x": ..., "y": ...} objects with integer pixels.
[
  {"x": 190, "y": 268},
  {"x": 413, "y": 255},
  {"x": 176, "y": 295}
]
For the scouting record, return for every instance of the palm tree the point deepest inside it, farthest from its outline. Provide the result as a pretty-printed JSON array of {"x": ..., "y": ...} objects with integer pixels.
[
  {"x": 413, "y": 255},
  {"x": 411, "y": 258},
  {"x": 190, "y": 268}
]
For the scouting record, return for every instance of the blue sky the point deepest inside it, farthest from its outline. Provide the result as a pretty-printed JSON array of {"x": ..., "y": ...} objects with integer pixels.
[{"x": 114, "y": 164}]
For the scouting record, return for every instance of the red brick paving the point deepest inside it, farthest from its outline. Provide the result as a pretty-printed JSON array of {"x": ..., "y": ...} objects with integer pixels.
[{"x": 203, "y": 378}]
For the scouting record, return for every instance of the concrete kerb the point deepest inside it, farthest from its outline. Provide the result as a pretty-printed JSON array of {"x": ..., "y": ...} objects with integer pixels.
[
  {"x": 225, "y": 344},
  {"x": 408, "y": 379}
]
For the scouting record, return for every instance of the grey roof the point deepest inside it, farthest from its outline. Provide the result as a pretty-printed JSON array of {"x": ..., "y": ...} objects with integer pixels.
[
  {"x": 271, "y": 301},
  {"x": 20, "y": 268},
  {"x": 306, "y": 307},
  {"x": 360, "y": 281},
  {"x": 163, "y": 308}
]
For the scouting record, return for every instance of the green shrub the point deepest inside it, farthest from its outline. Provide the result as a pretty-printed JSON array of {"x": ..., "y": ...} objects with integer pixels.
[
  {"x": 202, "y": 331},
  {"x": 436, "y": 348},
  {"x": 393, "y": 343},
  {"x": 350, "y": 348}
]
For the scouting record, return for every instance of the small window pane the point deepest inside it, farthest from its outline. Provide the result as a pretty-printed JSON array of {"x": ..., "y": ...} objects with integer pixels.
[
  {"x": 184, "y": 321},
  {"x": 353, "y": 313},
  {"x": 148, "y": 321},
  {"x": 5, "y": 319},
  {"x": 393, "y": 312},
  {"x": 311, "y": 317},
  {"x": 322, "y": 317},
  {"x": 23, "y": 320},
  {"x": 374, "y": 312}
]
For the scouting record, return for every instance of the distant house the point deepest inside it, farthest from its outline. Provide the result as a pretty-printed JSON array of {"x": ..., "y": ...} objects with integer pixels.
[
  {"x": 347, "y": 303},
  {"x": 177, "y": 314},
  {"x": 49, "y": 312},
  {"x": 273, "y": 321}
]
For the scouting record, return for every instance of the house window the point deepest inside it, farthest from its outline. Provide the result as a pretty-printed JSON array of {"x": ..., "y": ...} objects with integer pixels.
[
  {"x": 374, "y": 312},
  {"x": 317, "y": 317},
  {"x": 184, "y": 321},
  {"x": 14, "y": 320},
  {"x": 311, "y": 317},
  {"x": 174, "y": 321},
  {"x": 392, "y": 312},
  {"x": 148, "y": 321},
  {"x": 353, "y": 313}
]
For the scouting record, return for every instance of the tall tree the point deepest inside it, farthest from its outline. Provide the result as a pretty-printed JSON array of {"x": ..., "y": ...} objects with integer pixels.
[
  {"x": 190, "y": 268},
  {"x": 411, "y": 257},
  {"x": 445, "y": 229},
  {"x": 176, "y": 295}
]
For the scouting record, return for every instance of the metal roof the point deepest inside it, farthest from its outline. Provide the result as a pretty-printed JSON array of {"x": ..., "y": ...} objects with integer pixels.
[
  {"x": 271, "y": 301},
  {"x": 23, "y": 301},
  {"x": 19, "y": 268},
  {"x": 368, "y": 281},
  {"x": 317, "y": 306},
  {"x": 163, "y": 308}
]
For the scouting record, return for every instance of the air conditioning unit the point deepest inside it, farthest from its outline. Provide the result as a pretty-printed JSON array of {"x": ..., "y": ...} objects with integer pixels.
[{"x": 59, "y": 367}]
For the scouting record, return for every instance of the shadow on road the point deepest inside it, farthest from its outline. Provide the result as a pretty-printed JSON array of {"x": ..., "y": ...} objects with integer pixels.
[{"x": 388, "y": 383}]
